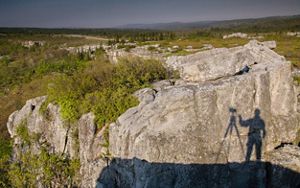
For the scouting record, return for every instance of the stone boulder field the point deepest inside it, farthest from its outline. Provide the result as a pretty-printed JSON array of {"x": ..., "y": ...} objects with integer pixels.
[{"x": 231, "y": 120}]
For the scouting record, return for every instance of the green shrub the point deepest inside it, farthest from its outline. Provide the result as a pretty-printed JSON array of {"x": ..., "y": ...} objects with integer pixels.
[
  {"x": 109, "y": 104},
  {"x": 23, "y": 133},
  {"x": 5, "y": 152},
  {"x": 44, "y": 167},
  {"x": 58, "y": 168},
  {"x": 23, "y": 173},
  {"x": 297, "y": 79},
  {"x": 105, "y": 89},
  {"x": 63, "y": 66},
  {"x": 48, "y": 168},
  {"x": 151, "y": 48},
  {"x": 127, "y": 48}
]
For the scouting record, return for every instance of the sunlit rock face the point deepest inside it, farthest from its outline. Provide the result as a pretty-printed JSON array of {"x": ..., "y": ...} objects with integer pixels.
[
  {"x": 237, "y": 35},
  {"x": 219, "y": 113},
  {"x": 115, "y": 54},
  {"x": 214, "y": 118},
  {"x": 224, "y": 62}
]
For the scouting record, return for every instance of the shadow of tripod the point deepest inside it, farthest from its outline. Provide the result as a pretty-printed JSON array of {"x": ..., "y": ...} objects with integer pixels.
[{"x": 231, "y": 126}]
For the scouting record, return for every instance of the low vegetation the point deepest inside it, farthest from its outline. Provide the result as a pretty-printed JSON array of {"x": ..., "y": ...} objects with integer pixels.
[
  {"x": 288, "y": 46},
  {"x": 50, "y": 169},
  {"x": 104, "y": 88},
  {"x": 26, "y": 72},
  {"x": 78, "y": 86},
  {"x": 5, "y": 155},
  {"x": 30, "y": 167}
]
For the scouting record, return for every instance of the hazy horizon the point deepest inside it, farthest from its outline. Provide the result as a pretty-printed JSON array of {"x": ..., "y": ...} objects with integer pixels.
[{"x": 113, "y": 13}]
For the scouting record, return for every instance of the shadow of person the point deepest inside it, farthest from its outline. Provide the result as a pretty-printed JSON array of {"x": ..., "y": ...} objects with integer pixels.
[{"x": 255, "y": 135}]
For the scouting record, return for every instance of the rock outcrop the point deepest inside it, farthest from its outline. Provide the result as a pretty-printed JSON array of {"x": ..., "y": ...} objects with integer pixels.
[
  {"x": 29, "y": 44},
  {"x": 91, "y": 150},
  {"x": 84, "y": 49},
  {"x": 80, "y": 140},
  {"x": 237, "y": 35},
  {"x": 213, "y": 116},
  {"x": 270, "y": 44},
  {"x": 221, "y": 125},
  {"x": 293, "y": 34},
  {"x": 140, "y": 51},
  {"x": 127, "y": 173},
  {"x": 52, "y": 131},
  {"x": 223, "y": 62},
  {"x": 196, "y": 116}
]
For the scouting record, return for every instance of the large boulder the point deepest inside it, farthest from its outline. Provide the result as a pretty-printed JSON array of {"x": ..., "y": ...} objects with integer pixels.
[
  {"x": 115, "y": 54},
  {"x": 214, "y": 118},
  {"x": 199, "y": 122},
  {"x": 270, "y": 44},
  {"x": 222, "y": 62}
]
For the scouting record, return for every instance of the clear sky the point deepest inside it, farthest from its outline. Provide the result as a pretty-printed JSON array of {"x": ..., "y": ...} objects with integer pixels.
[{"x": 108, "y": 13}]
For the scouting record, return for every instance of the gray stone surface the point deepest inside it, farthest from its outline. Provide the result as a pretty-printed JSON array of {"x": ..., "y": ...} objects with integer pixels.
[
  {"x": 128, "y": 173},
  {"x": 221, "y": 62},
  {"x": 161, "y": 85},
  {"x": 91, "y": 150},
  {"x": 191, "y": 135},
  {"x": 287, "y": 156},
  {"x": 293, "y": 34},
  {"x": 270, "y": 44},
  {"x": 237, "y": 35},
  {"x": 50, "y": 128},
  {"x": 187, "y": 123},
  {"x": 282, "y": 172},
  {"x": 115, "y": 54}
]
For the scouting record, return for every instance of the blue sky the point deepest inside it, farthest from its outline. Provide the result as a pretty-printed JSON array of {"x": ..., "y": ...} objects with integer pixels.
[{"x": 108, "y": 13}]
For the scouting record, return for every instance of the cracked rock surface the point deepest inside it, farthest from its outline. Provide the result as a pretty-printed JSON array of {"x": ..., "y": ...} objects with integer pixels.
[
  {"x": 187, "y": 122},
  {"x": 190, "y": 134}
]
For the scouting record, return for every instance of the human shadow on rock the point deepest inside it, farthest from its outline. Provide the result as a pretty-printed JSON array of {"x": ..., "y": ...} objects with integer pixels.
[
  {"x": 136, "y": 173},
  {"x": 256, "y": 134}
]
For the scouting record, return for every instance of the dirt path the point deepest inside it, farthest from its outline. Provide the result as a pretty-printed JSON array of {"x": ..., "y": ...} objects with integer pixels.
[{"x": 87, "y": 37}]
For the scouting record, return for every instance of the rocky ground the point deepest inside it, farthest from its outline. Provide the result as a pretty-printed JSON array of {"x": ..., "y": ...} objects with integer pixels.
[{"x": 230, "y": 121}]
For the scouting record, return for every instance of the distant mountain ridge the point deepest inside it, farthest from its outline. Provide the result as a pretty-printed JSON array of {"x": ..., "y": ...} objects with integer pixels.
[{"x": 295, "y": 20}]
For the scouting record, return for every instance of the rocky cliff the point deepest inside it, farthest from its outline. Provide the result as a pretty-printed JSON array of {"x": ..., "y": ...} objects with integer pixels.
[
  {"x": 228, "y": 122},
  {"x": 79, "y": 140}
]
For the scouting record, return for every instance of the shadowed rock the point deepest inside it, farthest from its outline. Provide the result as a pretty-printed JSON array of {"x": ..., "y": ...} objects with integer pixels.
[{"x": 129, "y": 173}]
